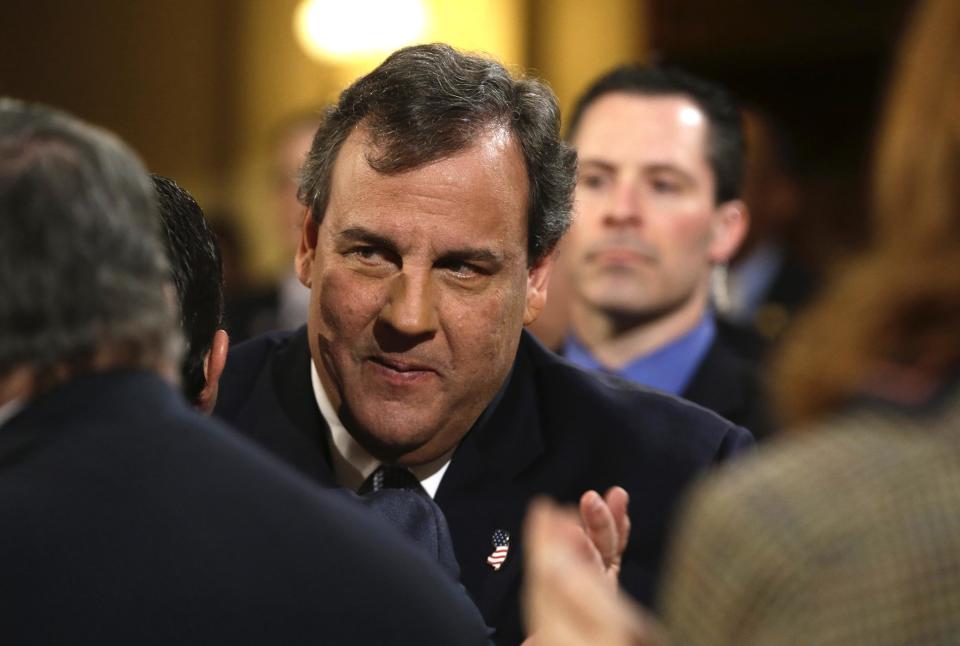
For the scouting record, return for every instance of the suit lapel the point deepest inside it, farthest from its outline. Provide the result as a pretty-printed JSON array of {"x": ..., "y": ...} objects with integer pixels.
[
  {"x": 293, "y": 392},
  {"x": 484, "y": 489},
  {"x": 506, "y": 438}
]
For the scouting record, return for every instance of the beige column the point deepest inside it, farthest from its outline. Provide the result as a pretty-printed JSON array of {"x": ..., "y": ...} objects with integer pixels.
[{"x": 573, "y": 41}]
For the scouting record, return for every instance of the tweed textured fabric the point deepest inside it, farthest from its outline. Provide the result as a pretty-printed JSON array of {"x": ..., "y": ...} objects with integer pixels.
[{"x": 849, "y": 534}]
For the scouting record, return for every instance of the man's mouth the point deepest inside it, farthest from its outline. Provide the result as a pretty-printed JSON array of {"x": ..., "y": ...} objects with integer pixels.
[
  {"x": 401, "y": 370},
  {"x": 624, "y": 253},
  {"x": 620, "y": 257}
]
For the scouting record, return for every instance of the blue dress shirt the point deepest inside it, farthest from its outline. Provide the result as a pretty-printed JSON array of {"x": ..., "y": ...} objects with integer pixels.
[{"x": 669, "y": 368}]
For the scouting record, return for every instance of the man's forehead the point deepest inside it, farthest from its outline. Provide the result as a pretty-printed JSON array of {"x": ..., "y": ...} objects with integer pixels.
[
  {"x": 642, "y": 128},
  {"x": 628, "y": 113},
  {"x": 481, "y": 189},
  {"x": 494, "y": 138},
  {"x": 494, "y": 149}
]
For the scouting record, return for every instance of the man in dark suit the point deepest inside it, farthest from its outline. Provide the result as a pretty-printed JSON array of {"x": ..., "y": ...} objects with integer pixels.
[
  {"x": 128, "y": 518},
  {"x": 196, "y": 269},
  {"x": 438, "y": 188},
  {"x": 658, "y": 209}
]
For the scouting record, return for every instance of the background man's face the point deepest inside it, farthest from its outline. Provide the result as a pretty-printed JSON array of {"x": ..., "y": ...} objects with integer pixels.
[
  {"x": 289, "y": 155},
  {"x": 640, "y": 243},
  {"x": 419, "y": 289}
]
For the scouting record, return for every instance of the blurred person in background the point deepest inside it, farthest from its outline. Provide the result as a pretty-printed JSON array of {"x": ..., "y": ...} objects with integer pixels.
[
  {"x": 767, "y": 282},
  {"x": 252, "y": 310},
  {"x": 847, "y": 531},
  {"x": 658, "y": 208}
]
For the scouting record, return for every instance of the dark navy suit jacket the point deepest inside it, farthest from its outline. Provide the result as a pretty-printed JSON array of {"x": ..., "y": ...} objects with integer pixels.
[
  {"x": 554, "y": 429},
  {"x": 730, "y": 385},
  {"x": 129, "y": 519}
]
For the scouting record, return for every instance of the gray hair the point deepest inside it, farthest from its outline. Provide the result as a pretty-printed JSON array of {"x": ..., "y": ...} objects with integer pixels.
[
  {"x": 82, "y": 266},
  {"x": 426, "y": 102}
]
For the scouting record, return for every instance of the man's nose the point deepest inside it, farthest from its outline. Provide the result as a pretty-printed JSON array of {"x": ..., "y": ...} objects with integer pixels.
[
  {"x": 411, "y": 307},
  {"x": 624, "y": 208}
]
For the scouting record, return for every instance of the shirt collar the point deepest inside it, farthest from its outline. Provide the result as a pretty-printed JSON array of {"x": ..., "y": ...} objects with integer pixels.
[
  {"x": 352, "y": 464},
  {"x": 10, "y": 409},
  {"x": 668, "y": 368}
]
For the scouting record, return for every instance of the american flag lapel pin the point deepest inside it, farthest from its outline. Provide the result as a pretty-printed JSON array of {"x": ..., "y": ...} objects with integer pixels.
[{"x": 501, "y": 545}]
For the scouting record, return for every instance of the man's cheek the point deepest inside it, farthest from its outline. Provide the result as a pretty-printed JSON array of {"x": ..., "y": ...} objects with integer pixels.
[
  {"x": 491, "y": 327},
  {"x": 347, "y": 305}
]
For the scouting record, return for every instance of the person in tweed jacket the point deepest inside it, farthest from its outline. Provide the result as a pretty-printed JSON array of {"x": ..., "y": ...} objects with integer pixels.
[{"x": 849, "y": 531}]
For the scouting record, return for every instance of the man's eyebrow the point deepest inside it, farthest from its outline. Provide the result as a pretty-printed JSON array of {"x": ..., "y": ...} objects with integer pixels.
[
  {"x": 597, "y": 164},
  {"x": 359, "y": 234},
  {"x": 473, "y": 254},
  {"x": 672, "y": 169}
]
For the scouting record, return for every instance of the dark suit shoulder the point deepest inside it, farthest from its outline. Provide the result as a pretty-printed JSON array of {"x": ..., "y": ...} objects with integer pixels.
[
  {"x": 245, "y": 362},
  {"x": 267, "y": 395},
  {"x": 731, "y": 384},
  {"x": 126, "y": 484},
  {"x": 620, "y": 412}
]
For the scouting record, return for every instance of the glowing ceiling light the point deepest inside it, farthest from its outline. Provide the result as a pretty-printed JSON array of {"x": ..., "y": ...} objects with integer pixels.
[{"x": 340, "y": 30}]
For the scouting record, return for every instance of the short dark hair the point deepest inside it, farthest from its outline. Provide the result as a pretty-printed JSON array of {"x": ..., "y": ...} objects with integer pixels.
[
  {"x": 429, "y": 101},
  {"x": 82, "y": 268},
  {"x": 197, "y": 274},
  {"x": 725, "y": 146}
]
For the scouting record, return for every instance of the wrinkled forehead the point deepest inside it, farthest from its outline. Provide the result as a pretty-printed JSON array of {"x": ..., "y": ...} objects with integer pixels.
[
  {"x": 391, "y": 149},
  {"x": 494, "y": 152},
  {"x": 487, "y": 181}
]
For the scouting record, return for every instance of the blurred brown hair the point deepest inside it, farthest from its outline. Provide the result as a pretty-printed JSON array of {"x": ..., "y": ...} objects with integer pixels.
[{"x": 898, "y": 304}]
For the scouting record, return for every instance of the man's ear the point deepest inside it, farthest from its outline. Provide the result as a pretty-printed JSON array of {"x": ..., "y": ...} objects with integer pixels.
[
  {"x": 538, "y": 279},
  {"x": 212, "y": 369},
  {"x": 728, "y": 230},
  {"x": 303, "y": 261}
]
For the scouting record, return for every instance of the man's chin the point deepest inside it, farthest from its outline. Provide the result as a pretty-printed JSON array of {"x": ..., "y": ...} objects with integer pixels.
[
  {"x": 627, "y": 314},
  {"x": 620, "y": 303},
  {"x": 395, "y": 439}
]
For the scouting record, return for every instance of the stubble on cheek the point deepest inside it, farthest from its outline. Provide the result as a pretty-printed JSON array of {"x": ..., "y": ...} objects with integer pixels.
[
  {"x": 342, "y": 311},
  {"x": 346, "y": 307},
  {"x": 496, "y": 326}
]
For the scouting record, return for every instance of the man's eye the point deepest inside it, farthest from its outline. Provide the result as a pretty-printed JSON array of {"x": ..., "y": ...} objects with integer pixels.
[
  {"x": 592, "y": 181},
  {"x": 665, "y": 186},
  {"x": 463, "y": 270},
  {"x": 368, "y": 255}
]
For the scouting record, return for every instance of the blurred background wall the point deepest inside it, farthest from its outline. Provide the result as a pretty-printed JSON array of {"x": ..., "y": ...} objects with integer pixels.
[{"x": 198, "y": 86}]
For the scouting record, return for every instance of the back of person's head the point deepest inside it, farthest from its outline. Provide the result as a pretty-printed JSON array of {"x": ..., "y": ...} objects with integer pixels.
[
  {"x": 427, "y": 102},
  {"x": 898, "y": 306},
  {"x": 725, "y": 135},
  {"x": 198, "y": 276},
  {"x": 83, "y": 276}
]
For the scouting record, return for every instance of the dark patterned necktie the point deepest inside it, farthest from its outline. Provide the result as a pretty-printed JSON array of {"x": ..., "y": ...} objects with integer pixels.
[
  {"x": 390, "y": 477},
  {"x": 396, "y": 495}
]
